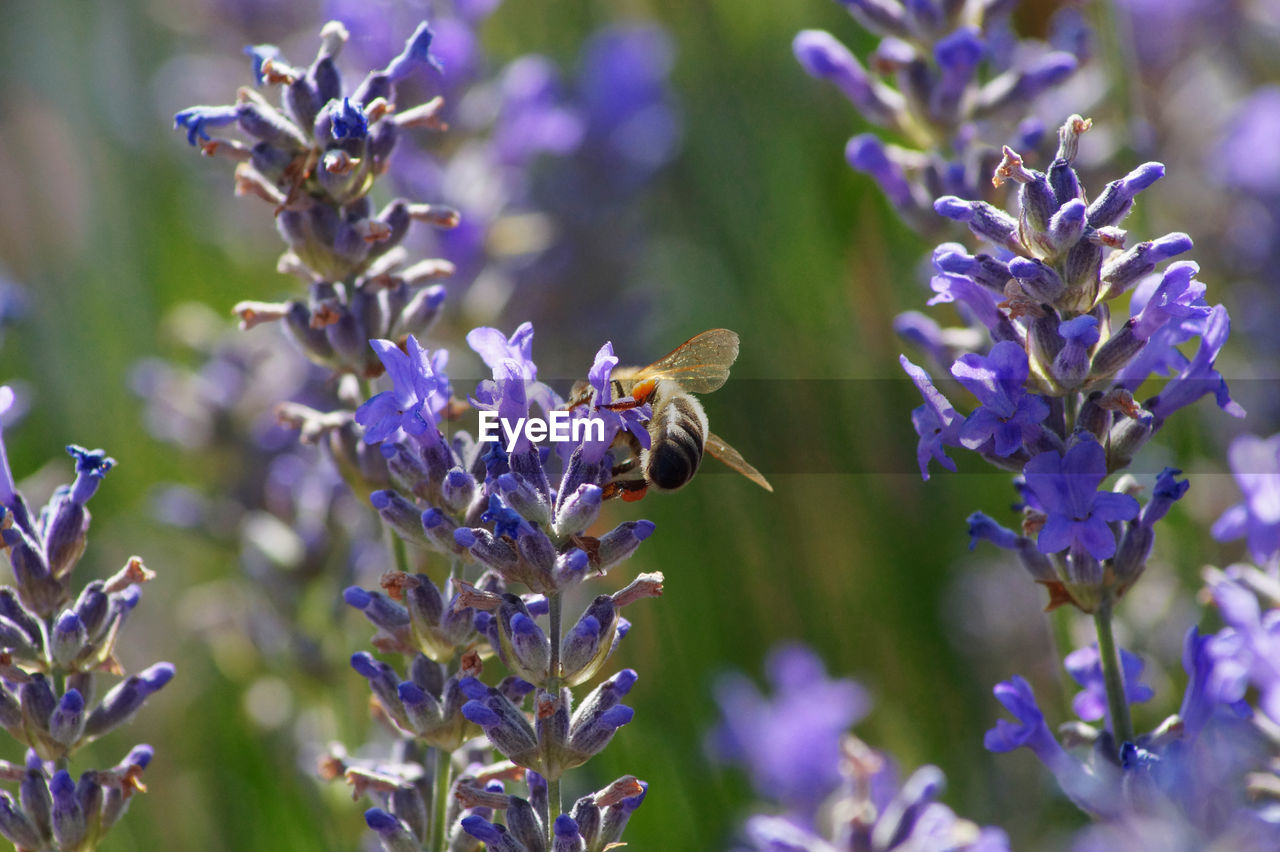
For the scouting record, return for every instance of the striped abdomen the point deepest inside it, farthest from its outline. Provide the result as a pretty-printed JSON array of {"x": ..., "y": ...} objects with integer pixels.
[{"x": 678, "y": 433}]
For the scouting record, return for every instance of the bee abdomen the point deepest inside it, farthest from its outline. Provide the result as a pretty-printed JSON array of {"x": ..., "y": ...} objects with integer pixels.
[{"x": 676, "y": 450}]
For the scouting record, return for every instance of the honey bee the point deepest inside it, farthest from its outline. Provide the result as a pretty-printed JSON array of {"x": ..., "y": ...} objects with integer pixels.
[{"x": 678, "y": 429}]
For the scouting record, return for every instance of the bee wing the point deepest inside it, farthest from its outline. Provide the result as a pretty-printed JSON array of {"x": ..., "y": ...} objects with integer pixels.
[
  {"x": 700, "y": 364},
  {"x": 727, "y": 454}
]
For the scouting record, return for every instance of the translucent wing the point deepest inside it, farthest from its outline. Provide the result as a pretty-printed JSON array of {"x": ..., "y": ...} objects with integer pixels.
[
  {"x": 700, "y": 365},
  {"x": 727, "y": 454}
]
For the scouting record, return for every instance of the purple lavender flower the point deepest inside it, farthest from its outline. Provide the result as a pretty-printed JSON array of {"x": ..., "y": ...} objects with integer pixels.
[
  {"x": 1255, "y": 463},
  {"x": 631, "y": 122},
  {"x": 1248, "y": 648},
  {"x": 1066, "y": 487},
  {"x": 56, "y": 650},
  {"x": 789, "y": 742},
  {"x": 8, "y": 490},
  {"x": 1200, "y": 377},
  {"x": 315, "y": 159},
  {"x": 1193, "y": 772},
  {"x": 797, "y": 752},
  {"x": 930, "y": 90},
  {"x": 420, "y": 391},
  {"x": 1244, "y": 158},
  {"x": 1167, "y": 311},
  {"x": 533, "y": 119},
  {"x": 1085, "y": 668},
  {"x": 604, "y": 407},
  {"x": 936, "y": 422},
  {"x": 1007, "y": 414}
]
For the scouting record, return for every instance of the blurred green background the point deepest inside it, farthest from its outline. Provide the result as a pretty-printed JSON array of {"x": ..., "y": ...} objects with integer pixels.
[{"x": 109, "y": 220}]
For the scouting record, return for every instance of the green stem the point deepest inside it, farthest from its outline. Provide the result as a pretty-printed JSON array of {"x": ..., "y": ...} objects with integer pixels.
[
  {"x": 399, "y": 553},
  {"x": 553, "y": 810},
  {"x": 440, "y": 795},
  {"x": 1060, "y": 621},
  {"x": 554, "y": 602},
  {"x": 1113, "y": 675}
]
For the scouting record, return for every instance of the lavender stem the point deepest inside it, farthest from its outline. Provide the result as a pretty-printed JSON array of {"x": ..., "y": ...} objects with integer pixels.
[{"x": 1121, "y": 724}]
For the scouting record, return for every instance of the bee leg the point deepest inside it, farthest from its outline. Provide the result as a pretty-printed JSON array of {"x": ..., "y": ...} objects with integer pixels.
[
  {"x": 622, "y": 406},
  {"x": 629, "y": 490},
  {"x": 625, "y": 467},
  {"x": 639, "y": 396},
  {"x": 635, "y": 494}
]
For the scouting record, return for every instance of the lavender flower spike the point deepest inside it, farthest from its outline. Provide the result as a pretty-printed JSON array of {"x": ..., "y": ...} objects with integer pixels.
[{"x": 57, "y": 646}]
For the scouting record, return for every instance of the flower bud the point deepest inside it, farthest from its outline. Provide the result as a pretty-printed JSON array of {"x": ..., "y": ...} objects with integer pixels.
[
  {"x": 66, "y": 723},
  {"x": 394, "y": 835},
  {"x": 1071, "y": 366},
  {"x": 578, "y": 510},
  {"x": 68, "y": 817},
  {"x": 400, "y": 514},
  {"x": 68, "y": 639}
]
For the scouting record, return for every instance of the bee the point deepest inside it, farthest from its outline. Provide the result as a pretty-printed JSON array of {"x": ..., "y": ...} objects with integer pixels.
[{"x": 678, "y": 430}]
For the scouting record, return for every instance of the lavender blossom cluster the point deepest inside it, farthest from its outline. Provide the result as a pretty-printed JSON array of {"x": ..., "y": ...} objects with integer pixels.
[
  {"x": 315, "y": 159},
  {"x": 830, "y": 790},
  {"x": 57, "y": 646},
  {"x": 949, "y": 81},
  {"x": 508, "y": 517},
  {"x": 1054, "y": 377},
  {"x": 472, "y": 521},
  {"x": 547, "y": 170},
  {"x": 1056, "y": 404}
]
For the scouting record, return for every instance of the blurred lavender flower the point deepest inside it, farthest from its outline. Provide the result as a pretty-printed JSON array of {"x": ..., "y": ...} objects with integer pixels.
[
  {"x": 949, "y": 80},
  {"x": 56, "y": 650},
  {"x": 277, "y": 501},
  {"x": 1085, "y": 667},
  {"x": 1248, "y": 648},
  {"x": 1193, "y": 778},
  {"x": 1202, "y": 91},
  {"x": 799, "y": 755},
  {"x": 1255, "y": 463},
  {"x": 787, "y": 742}
]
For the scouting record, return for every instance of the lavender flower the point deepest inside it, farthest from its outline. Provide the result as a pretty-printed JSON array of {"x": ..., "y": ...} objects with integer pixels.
[
  {"x": 315, "y": 159},
  {"x": 57, "y": 649},
  {"x": 420, "y": 390},
  {"x": 1246, "y": 650},
  {"x": 1192, "y": 776},
  {"x": 1008, "y": 415},
  {"x": 1255, "y": 463},
  {"x": 1055, "y": 398},
  {"x": 1085, "y": 667},
  {"x": 1077, "y": 514},
  {"x": 787, "y": 742},
  {"x": 490, "y": 508},
  {"x": 798, "y": 754},
  {"x": 938, "y": 83}
]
